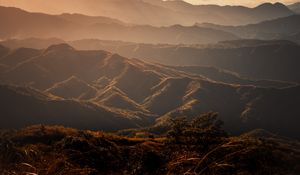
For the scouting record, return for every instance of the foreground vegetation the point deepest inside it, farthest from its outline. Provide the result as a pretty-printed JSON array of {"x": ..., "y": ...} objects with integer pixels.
[{"x": 189, "y": 147}]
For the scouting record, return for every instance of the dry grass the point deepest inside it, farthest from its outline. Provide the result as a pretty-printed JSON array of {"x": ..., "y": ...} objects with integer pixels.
[{"x": 55, "y": 150}]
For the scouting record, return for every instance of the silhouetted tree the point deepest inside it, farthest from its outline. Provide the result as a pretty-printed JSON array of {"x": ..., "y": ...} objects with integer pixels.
[
  {"x": 205, "y": 130},
  {"x": 178, "y": 127},
  {"x": 202, "y": 131}
]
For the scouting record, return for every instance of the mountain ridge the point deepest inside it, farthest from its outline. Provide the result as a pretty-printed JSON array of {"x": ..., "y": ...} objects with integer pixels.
[
  {"x": 276, "y": 29},
  {"x": 161, "y": 90},
  {"x": 163, "y": 13},
  {"x": 250, "y": 57},
  {"x": 25, "y": 106},
  {"x": 39, "y": 25}
]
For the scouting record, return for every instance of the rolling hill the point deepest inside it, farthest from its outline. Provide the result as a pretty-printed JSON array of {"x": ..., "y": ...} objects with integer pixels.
[
  {"x": 254, "y": 59},
  {"x": 22, "y": 106},
  {"x": 34, "y": 24},
  {"x": 3, "y": 50},
  {"x": 19, "y": 55},
  {"x": 207, "y": 60},
  {"x": 228, "y": 77},
  {"x": 253, "y": 115},
  {"x": 143, "y": 92},
  {"x": 56, "y": 63},
  {"x": 89, "y": 20},
  {"x": 255, "y": 111},
  {"x": 36, "y": 43}
]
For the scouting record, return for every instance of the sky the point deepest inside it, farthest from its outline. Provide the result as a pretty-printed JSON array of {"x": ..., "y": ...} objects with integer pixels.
[
  {"x": 49, "y": 7},
  {"x": 250, "y": 3}
]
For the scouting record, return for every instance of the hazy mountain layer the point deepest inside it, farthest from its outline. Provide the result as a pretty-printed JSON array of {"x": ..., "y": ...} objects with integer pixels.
[
  {"x": 36, "y": 43},
  {"x": 79, "y": 26},
  {"x": 193, "y": 55},
  {"x": 230, "y": 15},
  {"x": 295, "y": 7},
  {"x": 158, "y": 12},
  {"x": 224, "y": 76},
  {"x": 256, "y": 59},
  {"x": 281, "y": 28}
]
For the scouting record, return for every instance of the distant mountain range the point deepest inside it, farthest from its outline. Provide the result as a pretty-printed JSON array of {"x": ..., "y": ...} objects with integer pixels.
[
  {"x": 295, "y": 7},
  {"x": 256, "y": 59},
  {"x": 281, "y": 28},
  {"x": 159, "y": 12},
  {"x": 249, "y": 63},
  {"x": 173, "y": 54},
  {"x": 226, "y": 15},
  {"x": 36, "y": 43},
  {"x": 116, "y": 92},
  {"x": 75, "y": 26}
]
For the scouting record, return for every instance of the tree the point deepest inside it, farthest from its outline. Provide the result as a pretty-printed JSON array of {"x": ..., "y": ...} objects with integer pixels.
[
  {"x": 178, "y": 127},
  {"x": 203, "y": 131}
]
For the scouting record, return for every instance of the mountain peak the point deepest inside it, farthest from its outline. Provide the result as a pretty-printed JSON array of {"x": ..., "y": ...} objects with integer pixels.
[
  {"x": 279, "y": 4},
  {"x": 276, "y": 10},
  {"x": 3, "y": 47},
  {"x": 269, "y": 5},
  {"x": 59, "y": 47},
  {"x": 3, "y": 50}
]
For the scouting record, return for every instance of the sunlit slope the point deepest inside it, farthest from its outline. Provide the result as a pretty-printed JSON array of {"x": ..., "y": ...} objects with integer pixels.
[{"x": 25, "y": 106}]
